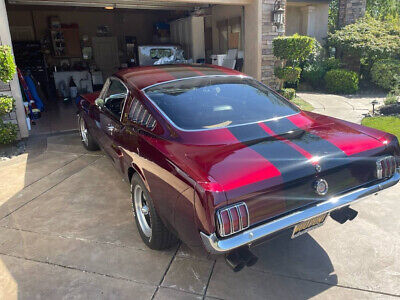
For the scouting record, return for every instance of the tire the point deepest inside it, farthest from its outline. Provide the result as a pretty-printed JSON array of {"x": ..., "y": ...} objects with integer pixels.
[
  {"x": 151, "y": 229},
  {"x": 87, "y": 140}
]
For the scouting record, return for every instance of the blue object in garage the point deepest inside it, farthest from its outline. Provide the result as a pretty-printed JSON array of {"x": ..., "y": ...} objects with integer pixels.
[{"x": 34, "y": 93}]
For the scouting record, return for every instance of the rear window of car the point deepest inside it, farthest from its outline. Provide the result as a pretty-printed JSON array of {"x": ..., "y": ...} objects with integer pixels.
[{"x": 218, "y": 101}]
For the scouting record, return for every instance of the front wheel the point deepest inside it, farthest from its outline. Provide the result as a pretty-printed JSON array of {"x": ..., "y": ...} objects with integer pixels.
[
  {"x": 87, "y": 140},
  {"x": 151, "y": 229}
]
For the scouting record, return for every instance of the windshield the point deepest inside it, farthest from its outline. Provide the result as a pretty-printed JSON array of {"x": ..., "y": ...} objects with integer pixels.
[{"x": 213, "y": 102}]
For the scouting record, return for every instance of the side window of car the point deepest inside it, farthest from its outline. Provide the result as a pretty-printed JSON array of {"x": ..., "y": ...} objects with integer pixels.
[
  {"x": 114, "y": 96},
  {"x": 140, "y": 115}
]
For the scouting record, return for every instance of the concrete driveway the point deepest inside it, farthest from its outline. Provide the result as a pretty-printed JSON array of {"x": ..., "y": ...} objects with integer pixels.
[
  {"x": 351, "y": 108},
  {"x": 66, "y": 231}
]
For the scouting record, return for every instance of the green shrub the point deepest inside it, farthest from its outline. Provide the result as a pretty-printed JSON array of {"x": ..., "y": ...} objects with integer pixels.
[
  {"x": 341, "y": 81},
  {"x": 288, "y": 74},
  {"x": 314, "y": 74},
  {"x": 384, "y": 71},
  {"x": 368, "y": 38},
  {"x": 7, "y": 65},
  {"x": 295, "y": 49},
  {"x": 317, "y": 53},
  {"x": 6, "y": 105},
  {"x": 331, "y": 64},
  {"x": 288, "y": 93},
  {"x": 391, "y": 99},
  {"x": 8, "y": 133}
]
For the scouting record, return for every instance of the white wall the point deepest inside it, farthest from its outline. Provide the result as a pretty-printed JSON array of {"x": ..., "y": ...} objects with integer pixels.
[
  {"x": 252, "y": 39},
  {"x": 309, "y": 20}
]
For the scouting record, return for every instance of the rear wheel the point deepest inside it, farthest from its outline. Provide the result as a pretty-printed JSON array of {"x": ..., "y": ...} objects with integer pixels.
[
  {"x": 151, "y": 229},
  {"x": 87, "y": 140}
]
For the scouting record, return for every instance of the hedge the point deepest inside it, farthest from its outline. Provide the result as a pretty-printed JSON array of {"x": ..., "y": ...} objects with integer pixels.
[
  {"x": 341, "y": 81},
  {"x": 384, "y": 72},
  {"x": 288, "y": 93},
  {"x": 295, "y": 49},
  {"x": 314, "y": 74},
  {"x": 7, "y": 66},
  {"x": 6, "y": 105},
  {"x": 288, "y": 74},
  {"x": 8, "y": 133}
]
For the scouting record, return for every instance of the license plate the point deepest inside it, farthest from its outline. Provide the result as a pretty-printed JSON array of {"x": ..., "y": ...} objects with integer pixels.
[{"x": 308, "y": 225}]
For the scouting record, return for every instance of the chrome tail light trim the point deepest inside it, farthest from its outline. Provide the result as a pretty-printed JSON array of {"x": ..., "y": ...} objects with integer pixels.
[
  {"x": 385, "y": 167},
  {"x": 228, "y": 210}
]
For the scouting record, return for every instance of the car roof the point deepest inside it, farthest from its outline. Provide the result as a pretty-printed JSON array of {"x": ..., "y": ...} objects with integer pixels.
[{"x": 142, "y": 77}]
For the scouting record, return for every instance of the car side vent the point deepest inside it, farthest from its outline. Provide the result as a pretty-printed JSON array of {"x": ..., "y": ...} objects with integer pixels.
[
  {"x": 233, "y": 219},
  {"x": 385, "y": 167},
  {"x": 141, "y": 116}
]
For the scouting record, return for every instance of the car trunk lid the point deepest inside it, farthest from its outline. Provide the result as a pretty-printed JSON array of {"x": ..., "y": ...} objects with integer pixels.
[{"x": 273, "y": 165}]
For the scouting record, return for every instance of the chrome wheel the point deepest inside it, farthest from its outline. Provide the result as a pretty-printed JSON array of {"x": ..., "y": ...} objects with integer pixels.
[
  {"x": 84, "y": 132},
  {"x": 142, "y": 210}
]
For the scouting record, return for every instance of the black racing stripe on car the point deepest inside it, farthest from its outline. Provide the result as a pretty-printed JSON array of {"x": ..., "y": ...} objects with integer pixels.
[
  {"x": 313, "y": 144},
  {"x": 291, "y": 163}
]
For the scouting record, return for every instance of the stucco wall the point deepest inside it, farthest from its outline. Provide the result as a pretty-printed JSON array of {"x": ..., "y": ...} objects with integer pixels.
[
  {"x": 252, "y": 39},
  {"x": 297, "y": 20}
]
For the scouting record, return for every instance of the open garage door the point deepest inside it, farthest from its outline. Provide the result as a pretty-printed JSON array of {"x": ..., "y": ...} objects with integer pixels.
[{"x": 68, "y": 48}]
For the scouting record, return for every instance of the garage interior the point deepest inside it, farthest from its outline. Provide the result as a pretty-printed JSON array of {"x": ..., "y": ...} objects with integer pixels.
[{"x": 64, "y": 49}]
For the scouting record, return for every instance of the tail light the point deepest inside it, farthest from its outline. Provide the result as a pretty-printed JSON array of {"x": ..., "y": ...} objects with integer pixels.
[
  {"x": 385, "y": 167},
  {"x": 233, "y": 219}
]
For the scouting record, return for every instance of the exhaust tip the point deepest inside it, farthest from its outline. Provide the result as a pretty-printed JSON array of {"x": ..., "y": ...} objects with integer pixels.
[
  {"x": 248, "y": 256},
  {"x": 240, "y": 258},
  {"x": 351, "y": 213},
  {"x": 234, "y": 261},
  {"x": 344, "y": 214}
]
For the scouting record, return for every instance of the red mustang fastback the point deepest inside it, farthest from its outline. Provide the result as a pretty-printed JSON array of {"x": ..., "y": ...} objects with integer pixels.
[{"x": 220, "y": 161}]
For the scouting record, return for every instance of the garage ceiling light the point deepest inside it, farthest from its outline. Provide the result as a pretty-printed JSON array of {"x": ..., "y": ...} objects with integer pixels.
[{"x": 109, "y": 7}]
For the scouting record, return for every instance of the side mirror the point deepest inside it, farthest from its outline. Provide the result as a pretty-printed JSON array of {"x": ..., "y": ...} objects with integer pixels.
[{"x": 99, "y": 102}]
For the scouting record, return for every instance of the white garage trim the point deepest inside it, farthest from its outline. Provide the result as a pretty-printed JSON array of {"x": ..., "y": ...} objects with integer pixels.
[{"x": 142, "y": 4}]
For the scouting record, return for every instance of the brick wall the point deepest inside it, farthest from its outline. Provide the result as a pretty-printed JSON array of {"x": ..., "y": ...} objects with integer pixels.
[
  {"x": 350, "y": 11},
  {"x": 269, "y": 32}
]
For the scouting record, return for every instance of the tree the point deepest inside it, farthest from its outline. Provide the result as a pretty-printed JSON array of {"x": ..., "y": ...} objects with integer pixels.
[
  {"x": 384, "y": 9},
  {"x": 368, "y": 39},
  {"x": 293, "y": 50}
]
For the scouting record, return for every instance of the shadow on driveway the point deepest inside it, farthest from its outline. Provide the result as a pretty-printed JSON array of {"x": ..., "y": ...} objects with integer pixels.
[{"x": 67, "y": 231}]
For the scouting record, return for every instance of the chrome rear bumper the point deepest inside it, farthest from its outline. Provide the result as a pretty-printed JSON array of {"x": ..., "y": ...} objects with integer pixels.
[{"x": 215, "y": 245}]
